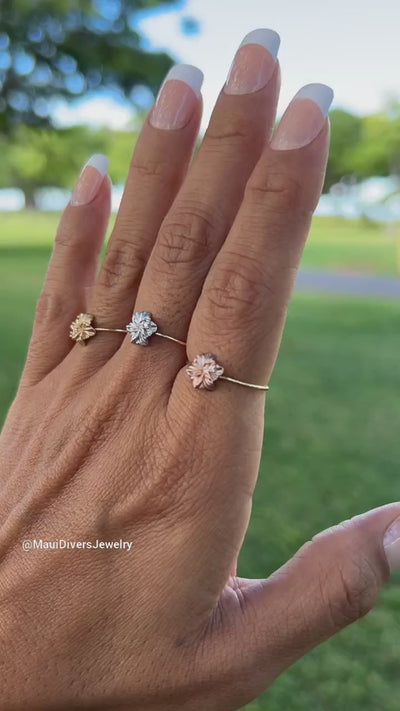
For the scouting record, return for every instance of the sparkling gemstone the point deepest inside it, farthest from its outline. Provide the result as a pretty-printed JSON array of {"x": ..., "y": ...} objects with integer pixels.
[{"x": 141, "y": 328}]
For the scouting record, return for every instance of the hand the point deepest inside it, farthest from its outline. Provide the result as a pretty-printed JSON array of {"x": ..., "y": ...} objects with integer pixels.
[{"x": 111, "y": 442}]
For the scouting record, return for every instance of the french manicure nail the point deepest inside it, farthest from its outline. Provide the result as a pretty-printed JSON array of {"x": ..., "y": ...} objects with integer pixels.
[
  {"x": 391, "y": 544},
  {"x": 90, "y": 179},
  {"x": 304, "y": 118},
  {"x": 177, "y": 98},
  {"x": 254, "y": 62}
]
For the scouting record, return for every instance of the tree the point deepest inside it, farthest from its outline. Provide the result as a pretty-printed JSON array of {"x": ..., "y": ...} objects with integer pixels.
[
  {"x": 378, "y": 151},
  {"x": 364, "y": 146},
  {"x": 346, "y": 130},
  {"x": 34, "y": 158},
  {"x": 64, "y": 48}
]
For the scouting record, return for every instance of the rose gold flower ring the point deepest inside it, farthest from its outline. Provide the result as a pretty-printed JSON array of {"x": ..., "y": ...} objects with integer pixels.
[
  {"x": 204, "y": 371},
  {"x": 140, "y": 329}
]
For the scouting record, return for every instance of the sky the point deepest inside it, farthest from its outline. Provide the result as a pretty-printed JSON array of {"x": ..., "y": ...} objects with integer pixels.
[{"x": 352, "y": 45}]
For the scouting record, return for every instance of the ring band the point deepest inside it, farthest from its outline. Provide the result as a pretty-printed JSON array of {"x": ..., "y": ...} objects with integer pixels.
[
  {"x": 140, "y": 329},
  {"x": 204, "y": 371}
]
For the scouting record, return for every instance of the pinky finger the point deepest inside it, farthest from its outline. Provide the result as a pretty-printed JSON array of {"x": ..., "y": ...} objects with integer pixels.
[{"x": 72, "y": 269}]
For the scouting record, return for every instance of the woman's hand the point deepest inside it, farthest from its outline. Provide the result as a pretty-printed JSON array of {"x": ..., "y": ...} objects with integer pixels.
[{"x": 112, "y": 443}]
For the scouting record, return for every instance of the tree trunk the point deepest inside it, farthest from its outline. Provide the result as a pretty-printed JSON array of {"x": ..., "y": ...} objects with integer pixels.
[{"x": 30, "y": 203}]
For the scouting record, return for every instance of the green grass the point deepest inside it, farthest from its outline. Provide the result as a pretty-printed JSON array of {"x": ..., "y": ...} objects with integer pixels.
[
  {"x": 335, "y": 243},
  {"x": 332, "y": 449},
  {"x": 352, "y": 245}
]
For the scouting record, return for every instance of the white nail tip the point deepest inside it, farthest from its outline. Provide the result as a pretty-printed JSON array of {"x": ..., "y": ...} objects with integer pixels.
[
  {"x": 192, "y": 76},
  {"x": 266, "y": 38},
  {"x": 321, "y": 94},
  {"x": 98, "y": 161}
]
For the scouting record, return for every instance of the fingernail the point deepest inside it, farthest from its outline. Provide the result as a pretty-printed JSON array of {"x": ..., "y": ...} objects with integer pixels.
[
  {"x": 391, "y": 544},
  {"x": 304, "y": 118},
  {"x": 254, "y": 62},
  {"x": 178, "y": 97},
  {"x": 90, "y": 179}
]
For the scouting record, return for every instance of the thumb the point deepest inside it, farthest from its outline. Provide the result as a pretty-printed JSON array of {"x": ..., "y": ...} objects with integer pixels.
[{"x": 332, "y": 581}]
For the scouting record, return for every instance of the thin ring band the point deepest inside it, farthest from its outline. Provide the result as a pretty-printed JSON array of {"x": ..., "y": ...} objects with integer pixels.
[
  {"x": 241, "y": 382},
  {"x": 204, "y": 371},
  {"x": 161, "y": 335}
]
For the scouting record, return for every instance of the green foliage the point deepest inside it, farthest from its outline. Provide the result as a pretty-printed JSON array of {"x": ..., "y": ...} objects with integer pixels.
[
  {"x": 378, "y": 152},
  {"x": 345, "y": 133},
  {"x": 120, "y": 145},
  {"x": 362, "y": 147},
  {"x": 65, "y": 48},
  {"x": 33, "y": 158}
]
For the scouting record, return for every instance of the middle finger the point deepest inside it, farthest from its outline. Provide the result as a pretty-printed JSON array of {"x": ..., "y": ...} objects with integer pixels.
[{"x": 206, "y": 205}]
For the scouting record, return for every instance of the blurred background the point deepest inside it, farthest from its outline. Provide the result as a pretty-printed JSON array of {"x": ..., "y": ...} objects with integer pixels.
[{"x": 78, "y": 78}]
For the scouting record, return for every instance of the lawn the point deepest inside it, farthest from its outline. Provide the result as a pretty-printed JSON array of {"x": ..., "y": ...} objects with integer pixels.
[
  {"x": 335, "y": 243},
  {"x": 331, "y": 450}
]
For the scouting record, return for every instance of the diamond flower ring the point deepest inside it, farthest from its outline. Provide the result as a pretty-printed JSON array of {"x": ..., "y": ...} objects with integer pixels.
[{"x": 140, "y": 329}]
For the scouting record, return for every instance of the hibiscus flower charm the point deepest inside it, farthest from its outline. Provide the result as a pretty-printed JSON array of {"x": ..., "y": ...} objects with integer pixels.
[
  {"x": 141, "y": 328},
  {"x": 204, "y": 371},
  {"x": 81, "y": 328}
]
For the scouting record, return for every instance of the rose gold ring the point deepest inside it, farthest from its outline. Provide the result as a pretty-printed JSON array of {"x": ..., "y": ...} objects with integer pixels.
[{"x": 204, "y": 371}]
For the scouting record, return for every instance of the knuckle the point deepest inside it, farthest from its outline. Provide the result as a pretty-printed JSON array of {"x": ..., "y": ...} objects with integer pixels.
[
  {"x": 230, "y": 136},
  {"x": 354, "y": 593},
  {"x": 282, "y": 193},
  {"x": 97, "y": 423},
  {"x": 122, "y": 264},
  {"x": 164, "y": 477},
  {"x": 176, "y": 485},
  {"x": 46, "y": 306},
  {"x": 238, "y": 291},
  {"x": 52, "y": 304},
  {"x": 70, "y": 234},
  {"x": 64, "y": 238},
  {"x": 186, "y": 238},
  {"x": 145, "y": 167}
]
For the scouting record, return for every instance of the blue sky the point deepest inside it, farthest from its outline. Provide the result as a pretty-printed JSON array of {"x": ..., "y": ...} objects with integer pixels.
[{"x": 353, "y": 45}]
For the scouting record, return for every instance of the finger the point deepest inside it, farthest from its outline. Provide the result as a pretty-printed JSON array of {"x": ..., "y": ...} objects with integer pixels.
[
  {"x": 331, "y": 582},
  {"x": 158, "y": 166},
  {"x": 72, "y": 268},
  {"x": 241, "y": 312},
  {"x": 205, "y": 207},
  {"x": 239, "y": 317}
]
